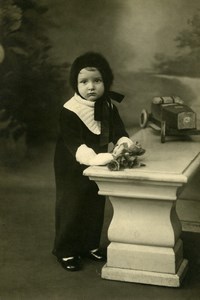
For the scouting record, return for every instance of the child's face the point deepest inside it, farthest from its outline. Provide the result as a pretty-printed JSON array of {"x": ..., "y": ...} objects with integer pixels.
[{"x": 90, "y": 84}]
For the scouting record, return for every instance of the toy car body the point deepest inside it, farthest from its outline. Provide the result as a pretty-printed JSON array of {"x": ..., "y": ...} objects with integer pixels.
[{"x": 171, "y": 116}]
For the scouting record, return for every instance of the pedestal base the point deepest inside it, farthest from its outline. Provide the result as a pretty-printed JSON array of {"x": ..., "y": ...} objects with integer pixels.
[
  {"x": 145, "y": 258},
  {"x": 154, "y": 278}
]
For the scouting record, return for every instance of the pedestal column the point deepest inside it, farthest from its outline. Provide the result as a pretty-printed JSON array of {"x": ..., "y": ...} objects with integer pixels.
[{"x": 144, "y": 233}]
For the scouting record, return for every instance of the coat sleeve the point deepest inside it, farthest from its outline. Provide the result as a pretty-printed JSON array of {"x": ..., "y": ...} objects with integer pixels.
[
  {"x": 118, "y": 126},
  {"x": 71, "y": 130}
]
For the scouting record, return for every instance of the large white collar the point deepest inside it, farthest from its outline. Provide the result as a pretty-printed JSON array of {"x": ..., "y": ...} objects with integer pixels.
[{"x": 84, "y": 109}]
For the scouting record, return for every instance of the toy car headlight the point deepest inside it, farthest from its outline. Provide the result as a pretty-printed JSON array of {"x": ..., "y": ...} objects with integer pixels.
[{"x": 186, "y": 120}]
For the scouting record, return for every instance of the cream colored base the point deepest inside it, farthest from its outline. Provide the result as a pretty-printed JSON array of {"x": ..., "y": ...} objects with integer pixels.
[
  {"x": 154, "y": 278},
  {"x": 145, "y": 258}
]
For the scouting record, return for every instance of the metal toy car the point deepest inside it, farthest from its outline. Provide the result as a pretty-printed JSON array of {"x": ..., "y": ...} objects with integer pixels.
[{"x": 171, "y": 116}]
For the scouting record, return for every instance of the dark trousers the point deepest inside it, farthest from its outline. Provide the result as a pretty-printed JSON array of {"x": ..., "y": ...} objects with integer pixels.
[{"x": 79, "y": 217}]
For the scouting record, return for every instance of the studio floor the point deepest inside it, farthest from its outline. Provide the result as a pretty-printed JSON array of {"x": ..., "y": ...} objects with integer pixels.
[{"x": 28, "y": 270}]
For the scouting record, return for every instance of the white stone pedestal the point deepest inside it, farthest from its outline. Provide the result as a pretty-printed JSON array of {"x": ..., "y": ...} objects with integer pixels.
[
  {"x": 145, "y": 230},
  {"x": 145, "y": 245}
]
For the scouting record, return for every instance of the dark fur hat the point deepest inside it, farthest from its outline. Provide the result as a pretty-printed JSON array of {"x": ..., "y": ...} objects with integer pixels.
[{"x": 91, "y": 59}]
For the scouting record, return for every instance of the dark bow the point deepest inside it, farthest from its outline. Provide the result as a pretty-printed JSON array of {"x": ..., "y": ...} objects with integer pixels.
[
  {"x": 105, "y": 99},
  {"x": 103, "y": 113}
]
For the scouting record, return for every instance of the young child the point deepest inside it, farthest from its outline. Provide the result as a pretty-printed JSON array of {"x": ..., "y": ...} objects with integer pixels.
[{"x": 88, "y": 123}]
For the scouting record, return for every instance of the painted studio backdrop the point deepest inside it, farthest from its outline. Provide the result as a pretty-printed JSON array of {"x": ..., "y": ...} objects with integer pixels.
[{"x": 153, "y": 47}]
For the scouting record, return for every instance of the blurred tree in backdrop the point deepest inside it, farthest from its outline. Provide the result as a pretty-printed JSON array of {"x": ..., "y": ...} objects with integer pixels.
[
  {"x": 32, "y": 88},
  {"x": 187, "y": 60}
]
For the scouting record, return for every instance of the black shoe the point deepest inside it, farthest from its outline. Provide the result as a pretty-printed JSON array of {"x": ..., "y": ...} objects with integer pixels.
[
  {"x": 71, "y": 264},
  {"x": 96, "y": 255}
]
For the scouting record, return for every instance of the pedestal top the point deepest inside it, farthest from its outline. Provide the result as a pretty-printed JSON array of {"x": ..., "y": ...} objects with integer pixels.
[{"x": 173, "y": 161}]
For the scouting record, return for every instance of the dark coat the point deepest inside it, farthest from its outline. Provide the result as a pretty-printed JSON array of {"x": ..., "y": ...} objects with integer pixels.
[{"x": 79, "y": 208}]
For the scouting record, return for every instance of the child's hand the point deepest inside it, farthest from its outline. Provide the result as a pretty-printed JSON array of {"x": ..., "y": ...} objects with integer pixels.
[
  {"x": 126, "y": 140},
  {"x": 119, "y": 150}
]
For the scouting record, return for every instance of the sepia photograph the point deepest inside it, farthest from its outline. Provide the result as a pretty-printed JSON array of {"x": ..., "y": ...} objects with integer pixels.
[{"x": 99, "y": 149}]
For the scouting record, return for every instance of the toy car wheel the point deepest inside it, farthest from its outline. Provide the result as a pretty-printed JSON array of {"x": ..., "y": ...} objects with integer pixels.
[
  {"x": 143, "y": 118},
  {"x": 163, "y": 131}
]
